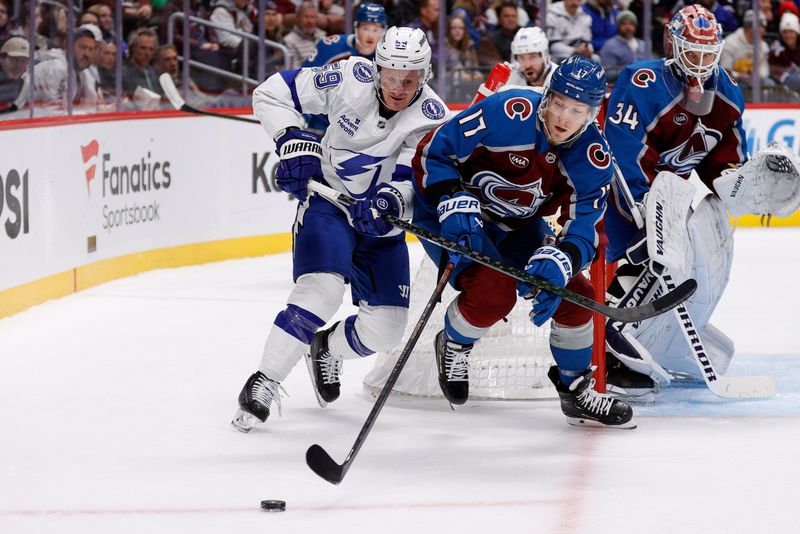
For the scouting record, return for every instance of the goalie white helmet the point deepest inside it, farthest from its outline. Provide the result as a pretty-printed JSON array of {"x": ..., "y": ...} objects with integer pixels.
[
  {"x": 403, "y": 49},
  {"x": 530, "y": 41}
]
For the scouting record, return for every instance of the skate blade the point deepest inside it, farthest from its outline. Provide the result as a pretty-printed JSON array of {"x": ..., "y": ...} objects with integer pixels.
[
  {"x": 243, "y": 421},
  {"x": 579, "y": 421},
  {"x": 322, "y": 402}
]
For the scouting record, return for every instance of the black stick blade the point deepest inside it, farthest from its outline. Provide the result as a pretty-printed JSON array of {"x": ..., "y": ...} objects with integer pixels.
[
  {"x": 323, "y": 465},
  {"x": 651, "y": 309}
]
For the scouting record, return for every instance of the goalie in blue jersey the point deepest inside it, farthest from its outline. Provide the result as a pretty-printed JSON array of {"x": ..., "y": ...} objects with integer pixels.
[{"x": 487, "y": 178}]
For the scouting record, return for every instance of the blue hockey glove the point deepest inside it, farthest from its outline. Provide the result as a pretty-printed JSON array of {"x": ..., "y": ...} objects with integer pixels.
[
  {"x": 386, "y": 201},
  {"x": 553, "y": 265},
  {"x": 461, "y": 219},
  {"x": 301, "y": 160}
]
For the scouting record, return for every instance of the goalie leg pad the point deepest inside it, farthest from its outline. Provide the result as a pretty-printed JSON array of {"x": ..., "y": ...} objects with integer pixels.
[{"x": 712, "y": 243}]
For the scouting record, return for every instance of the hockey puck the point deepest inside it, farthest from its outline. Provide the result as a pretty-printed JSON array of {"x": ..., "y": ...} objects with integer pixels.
[{"x": 273, "y": 506}]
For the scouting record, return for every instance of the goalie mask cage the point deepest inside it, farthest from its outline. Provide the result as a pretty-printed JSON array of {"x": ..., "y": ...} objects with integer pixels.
[{"x": 509, "y": 363}]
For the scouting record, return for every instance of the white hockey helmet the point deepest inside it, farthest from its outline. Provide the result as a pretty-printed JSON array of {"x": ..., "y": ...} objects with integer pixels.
[
  {"x": 404, "y": 49},
  {"x": 530, "y": 41}
]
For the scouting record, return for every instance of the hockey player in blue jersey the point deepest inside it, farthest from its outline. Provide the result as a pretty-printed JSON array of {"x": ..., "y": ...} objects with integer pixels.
[
  {"x": 379, "y": 112},
  {"x": 368, "y": 27},
  {"x": 487, "y": 178}
]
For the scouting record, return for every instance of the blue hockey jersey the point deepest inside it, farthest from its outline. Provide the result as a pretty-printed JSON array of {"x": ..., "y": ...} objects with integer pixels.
[
  {"x": 333, "y": 48},
  {"x": 498, "y": 151},
  {"x": 649, "y": 131}
]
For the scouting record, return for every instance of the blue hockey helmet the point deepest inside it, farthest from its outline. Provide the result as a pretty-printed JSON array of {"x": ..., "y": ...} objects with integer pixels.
[
  {"x": 582, "y": 79},
  {"x": 368, "y": 12}
]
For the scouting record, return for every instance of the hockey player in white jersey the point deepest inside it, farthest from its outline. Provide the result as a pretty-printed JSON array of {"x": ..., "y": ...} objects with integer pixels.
[
  {"x": 378, "y": 111},
  {"x": 530, "y": 59}
]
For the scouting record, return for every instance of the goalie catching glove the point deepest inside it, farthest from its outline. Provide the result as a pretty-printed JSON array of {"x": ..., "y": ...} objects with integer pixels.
[
  {"x": 767, "y": 184},
  {"x": 301, "y": 160},
  {"x": 366, "y": 214},
  {"x": 553, "y": 265}
]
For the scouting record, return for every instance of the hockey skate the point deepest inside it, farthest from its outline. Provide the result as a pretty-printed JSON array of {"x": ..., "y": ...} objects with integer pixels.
[
  {"x": 452, "y": 360},
  {"x": 582, "y": 405},
  {"x": 624, "y": 382},
  {"x": 254, "y": 401},
  {"x": 324, "y": 368}
]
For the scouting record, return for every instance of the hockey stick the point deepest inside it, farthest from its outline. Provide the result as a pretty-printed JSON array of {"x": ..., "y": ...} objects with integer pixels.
[
  {"x": 729, "y": 387},
  {"x": 622, "y": 315},
  {"x": 316, "y": 457},
  {"x": 174, "y": 97}
]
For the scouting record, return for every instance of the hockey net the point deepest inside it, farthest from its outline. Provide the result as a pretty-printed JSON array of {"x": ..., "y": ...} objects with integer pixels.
[{"x": 509, "y": 362}]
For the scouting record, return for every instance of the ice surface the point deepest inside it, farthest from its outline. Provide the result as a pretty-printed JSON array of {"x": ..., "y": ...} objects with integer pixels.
[{"x": 115, "y": 406}]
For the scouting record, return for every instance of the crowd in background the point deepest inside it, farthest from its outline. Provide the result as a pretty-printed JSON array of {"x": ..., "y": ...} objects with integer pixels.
[{"x": 478, "y": 34}]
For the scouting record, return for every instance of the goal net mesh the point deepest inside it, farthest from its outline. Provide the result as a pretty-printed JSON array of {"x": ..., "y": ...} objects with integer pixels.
[{"x": 510, "y": 362}]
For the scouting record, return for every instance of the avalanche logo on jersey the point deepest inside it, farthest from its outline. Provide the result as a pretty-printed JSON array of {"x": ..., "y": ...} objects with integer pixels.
[
  {"x": 433, "y": 109},
  {"x": 685, "y": 157},
  {"x": 518, "y": 107},
  {"x": 359, "y": 173},
  {"x": 505, "y": 198}
]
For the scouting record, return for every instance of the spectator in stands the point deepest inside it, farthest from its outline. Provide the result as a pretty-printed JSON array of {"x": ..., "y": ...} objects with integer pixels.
[
  {"x": 54, "y": 25},
  {"x": 51, "y": 73},
  {"x": 569, "y": 30},
  {"x": 233, "y": 15},
  {"x": 14, "y": 56},
  {"x": 492, "y": 17},
  {"x": 784, "y": 56},
  {"x": 428, "y": 22},
  {"x": 622, "y": 49},
  {"x": 330, "y": 17},
  {"x": 461, "y": 52},
  {"x": 768, "y": 13},
  {"x": 604, "y": 21},
  {"x": 273, "y": 24},
  {"x": 496, "y": 46},
  {"x": 473, "y": 12},
  {"x": 302, "y": 40},
  {"x": 106, "y": 18},
  {"x": 136, "y": 14},
  {"x": 273, "y": 31},
  {"x": 167, "y": 61},
  {"x": 138, "y": 71},
  {"x": 5, "y": 21},
  {"x": 87, "y": 17},
  {"x": 107, "y": 59},
  {"x": 737, "y": 54},
  {"x": 21, "y": 29}
]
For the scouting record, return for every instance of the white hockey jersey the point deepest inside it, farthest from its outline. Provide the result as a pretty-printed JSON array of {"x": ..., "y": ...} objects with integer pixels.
[{"x": 361, "y": 148}]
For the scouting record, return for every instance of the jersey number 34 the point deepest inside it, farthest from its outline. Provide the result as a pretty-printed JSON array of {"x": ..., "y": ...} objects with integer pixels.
[{"x": 629, "y": 117}]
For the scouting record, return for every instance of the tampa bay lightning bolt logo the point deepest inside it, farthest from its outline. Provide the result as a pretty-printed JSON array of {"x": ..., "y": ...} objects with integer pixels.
[
  {"x": 685, "y": 157},
  {"x": 354, "y": 171},
  {"x": 433, "y": 109},
  {"x": 505, "y": 198},
  {"x": 363, "y": 72}
]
